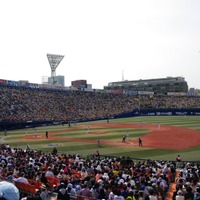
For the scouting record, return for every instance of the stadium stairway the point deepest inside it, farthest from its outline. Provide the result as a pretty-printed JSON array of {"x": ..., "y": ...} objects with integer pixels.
[{"x": 172, "y": 188}]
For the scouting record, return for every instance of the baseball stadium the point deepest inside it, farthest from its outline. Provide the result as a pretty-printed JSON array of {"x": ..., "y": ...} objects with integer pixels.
[{"x": 116, "y": 143}]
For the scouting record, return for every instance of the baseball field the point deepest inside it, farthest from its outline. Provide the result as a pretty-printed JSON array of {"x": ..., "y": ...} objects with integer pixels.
[{"x": 163, "y": 137}]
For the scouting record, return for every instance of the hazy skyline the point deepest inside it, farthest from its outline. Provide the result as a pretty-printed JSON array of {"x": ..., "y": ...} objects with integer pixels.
[{"x": 144, "y": 39}]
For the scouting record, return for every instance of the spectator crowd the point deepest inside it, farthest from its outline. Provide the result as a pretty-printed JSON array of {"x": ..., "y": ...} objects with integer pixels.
[
  {"x": 97, "y": 178},
  {"x": 28, "y": 104}
]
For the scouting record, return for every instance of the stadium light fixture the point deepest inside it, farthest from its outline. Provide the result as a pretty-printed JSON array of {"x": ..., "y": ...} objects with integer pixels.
[{"x": 54, "y": 61}]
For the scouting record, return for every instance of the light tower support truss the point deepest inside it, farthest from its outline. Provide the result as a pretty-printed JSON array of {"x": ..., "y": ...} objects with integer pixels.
[{"x": 54, "y": 61}]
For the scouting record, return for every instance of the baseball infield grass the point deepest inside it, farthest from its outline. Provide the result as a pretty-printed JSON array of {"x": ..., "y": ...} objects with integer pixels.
[{"x": 76, "y": 139}]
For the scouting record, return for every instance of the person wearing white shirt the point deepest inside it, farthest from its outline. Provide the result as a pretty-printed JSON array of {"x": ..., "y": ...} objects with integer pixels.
[
  {"x": 21, "y": 179},
  {"x": 49, "y": 173},
  {"x": 179, "y": 195},
  {"x": 152, "y": 195}
]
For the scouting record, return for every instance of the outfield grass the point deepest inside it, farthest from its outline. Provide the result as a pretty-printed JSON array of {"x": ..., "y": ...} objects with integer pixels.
[{"x": 16, "y": 138}]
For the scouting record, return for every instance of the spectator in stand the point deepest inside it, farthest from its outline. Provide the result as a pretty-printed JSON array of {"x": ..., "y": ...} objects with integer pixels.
[
  {"x": 44, "y": 179},
  {"x": 106, "y": 174},
  {"x": 44, "y": 194},
  {"x": 49, "y": 173},
  {"x": 197, "y": 194},
  {"x": 85, "y": 191},
  {"x": 63, "y": 193},
  {"x": 118, "y": 195},
  {"x": 21, "y": 178},
  {"x": 27, "y": 104},
  {"x": 189, "y": 194},
  {"x": 179, "y": 195}
]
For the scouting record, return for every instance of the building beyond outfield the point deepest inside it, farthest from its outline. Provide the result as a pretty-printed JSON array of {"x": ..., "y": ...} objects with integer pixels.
[{"x": 158, "y": 86}]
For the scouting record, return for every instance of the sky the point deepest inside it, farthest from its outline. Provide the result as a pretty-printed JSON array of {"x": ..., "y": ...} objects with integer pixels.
[{"x": 102, "y": 40}]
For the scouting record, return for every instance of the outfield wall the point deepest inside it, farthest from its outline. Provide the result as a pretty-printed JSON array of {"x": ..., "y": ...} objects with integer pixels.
[
  {"x": 161, "y": 112},
  {"x": 135, "y": 113}
]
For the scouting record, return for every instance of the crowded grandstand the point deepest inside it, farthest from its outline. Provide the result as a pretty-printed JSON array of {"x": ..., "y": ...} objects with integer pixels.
[
  {"x": 30, "y": 102},
  {"x": 39, "y": 176}
]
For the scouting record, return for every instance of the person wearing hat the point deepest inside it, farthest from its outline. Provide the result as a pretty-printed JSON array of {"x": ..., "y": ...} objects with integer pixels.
[
  {"x": 72, "y": 191},
  {"x": 179, "y": 195},
  {"x": 78, "y": 189},
  {"x": 44, "y": 192}
]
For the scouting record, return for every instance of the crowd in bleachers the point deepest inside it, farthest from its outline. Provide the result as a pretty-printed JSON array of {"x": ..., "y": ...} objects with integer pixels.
[
  {"x": 165, "y": 101},
  {"x": 27, "y": 104},
  {"x": 95, "y": 178},
  {"x": 23, "y": 104},
  {"x": 76, "y": 177},
  {"x": 188, "y": 182}
]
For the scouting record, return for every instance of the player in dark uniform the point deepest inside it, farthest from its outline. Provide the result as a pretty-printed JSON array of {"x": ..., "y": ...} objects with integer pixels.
[
  {"x": 140, "y": 142},
  {"x": 124, "y": 139},
  {"x": 47, "y": 134}
]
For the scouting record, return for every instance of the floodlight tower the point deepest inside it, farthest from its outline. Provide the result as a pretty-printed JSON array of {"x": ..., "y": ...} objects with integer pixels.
[{"x": 54, "y": 61}]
